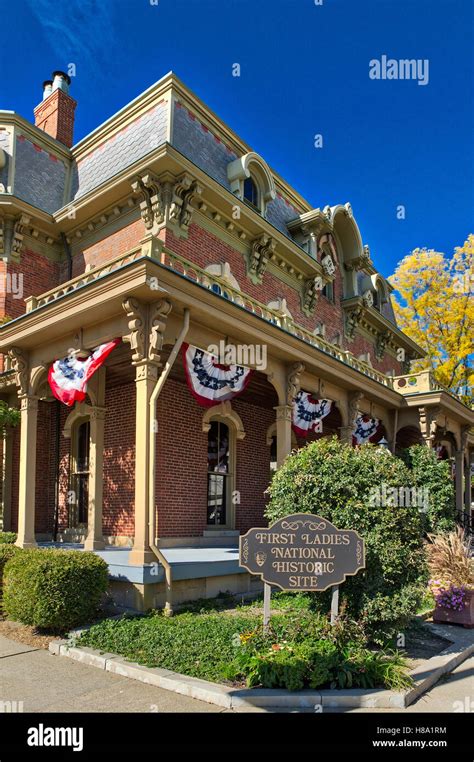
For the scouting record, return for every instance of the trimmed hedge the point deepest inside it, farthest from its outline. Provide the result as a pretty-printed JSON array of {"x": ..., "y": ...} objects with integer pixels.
[
  {"x": 54, "y": 589},
  {"x": 6, "y": 552},
  {"x": 336, "y": 481},
  {"x": 7, "y": 538}
]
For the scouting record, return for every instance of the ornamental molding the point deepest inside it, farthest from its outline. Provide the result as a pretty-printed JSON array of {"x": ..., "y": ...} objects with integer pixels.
[
  {"x": 12, "y": 231},
  {"x": 353, "y": 400},
  {"x": 352, "y": 320},
  {"x": 166, "y": 200},
  {"x": 19, "y": 365},
  {"x": 427, "y": 417},
  {"x": 293, "y": 381},
  {"x": 383, "y": 338},
  {"x": 147, "y": 325},
  {"x": 262, "y": 249},
  {"x": 158, "y": 315},
  {"x": 223, "y": 411},
  {"x": 309, "y": 294}
]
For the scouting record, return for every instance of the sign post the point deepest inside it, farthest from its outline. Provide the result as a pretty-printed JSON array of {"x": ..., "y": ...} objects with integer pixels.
[
  {"x": 302, "y": 552},
  {"x": 267, "y": 592}
]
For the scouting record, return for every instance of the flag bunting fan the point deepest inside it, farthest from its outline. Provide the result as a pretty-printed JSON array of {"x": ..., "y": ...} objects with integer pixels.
[
  {"x": 308, "y": 412},
  {"x": 209, "y": 381},
  {"x": 366, "y": 429},
  {"x": 68, "y": 377}
]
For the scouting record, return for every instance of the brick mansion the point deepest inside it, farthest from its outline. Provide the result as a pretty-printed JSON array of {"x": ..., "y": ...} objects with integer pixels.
[{"x": 164, "y": 232}]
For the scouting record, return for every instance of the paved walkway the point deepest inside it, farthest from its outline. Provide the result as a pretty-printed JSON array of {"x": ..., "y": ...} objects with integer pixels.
[{"x": 46, "y": 683}]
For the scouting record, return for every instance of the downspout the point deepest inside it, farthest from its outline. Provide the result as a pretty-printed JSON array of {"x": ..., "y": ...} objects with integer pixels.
[
  {"x": 151, "y": 487},
  {"x": 67, "y": 251}
]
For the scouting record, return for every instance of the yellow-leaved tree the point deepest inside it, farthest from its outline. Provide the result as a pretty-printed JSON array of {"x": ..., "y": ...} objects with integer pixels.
[{"x": 434, "y": 305}]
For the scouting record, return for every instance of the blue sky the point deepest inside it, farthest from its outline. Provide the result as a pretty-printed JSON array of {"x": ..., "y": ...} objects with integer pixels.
[{"x": 304, "y": 71}]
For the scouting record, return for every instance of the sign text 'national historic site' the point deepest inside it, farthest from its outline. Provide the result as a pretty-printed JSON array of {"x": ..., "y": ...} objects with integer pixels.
[{"x": 302, "y": 552}]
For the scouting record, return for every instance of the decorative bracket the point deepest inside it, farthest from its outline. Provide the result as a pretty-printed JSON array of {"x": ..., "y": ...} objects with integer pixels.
[
  {"x": 147, "y": 324},
  {"x": 353, "y": 318},
  {"x": 309, "y": 294},
  {"x": 11, "y": 236},
  {"x": 261, "y": 250},
  {"x": 19, "y": 363},
  {"x": 166, "y": 200},
  {"x": 293, "y": 382},
  {"x": 427, "y": 417},
  {"x": 381, "y": 342}
]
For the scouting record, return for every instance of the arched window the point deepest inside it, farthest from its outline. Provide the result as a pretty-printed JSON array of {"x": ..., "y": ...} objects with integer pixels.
[
  {"x": 219, "y": 474},
  {"x": 251, "y": 193},
  {"x": 79, "y": 475}
]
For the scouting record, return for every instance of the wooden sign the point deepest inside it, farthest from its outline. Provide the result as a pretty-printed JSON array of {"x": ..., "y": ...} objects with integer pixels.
[{"x": 302, "y": 552}]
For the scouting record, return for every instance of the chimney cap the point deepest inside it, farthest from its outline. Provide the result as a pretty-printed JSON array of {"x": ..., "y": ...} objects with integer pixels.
[
  {"x": 47, "y": 82},
  {"x": 62, "y": 74}
]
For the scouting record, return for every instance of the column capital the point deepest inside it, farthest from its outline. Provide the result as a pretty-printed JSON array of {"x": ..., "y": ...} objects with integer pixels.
[
  {"x": 146, "y": 371},
  {"x": 28, "y": 403},
  {"x": 283, "y": 412},
  {"x": 97, "y": 413}
]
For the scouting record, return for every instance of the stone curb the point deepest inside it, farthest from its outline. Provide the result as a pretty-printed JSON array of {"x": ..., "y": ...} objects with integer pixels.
[{"x": 425, "y": 676}]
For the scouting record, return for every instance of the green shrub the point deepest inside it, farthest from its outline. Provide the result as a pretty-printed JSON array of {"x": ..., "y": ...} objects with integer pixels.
[
  {"x": 6, "y": 552},
  {"x": 337, "y": 482},
  {"x": 427, "y": 471},
  {"x": 7, "y": 538},
  {"x": 54, "y": 589},
  {"x": 322, "y": 663}
]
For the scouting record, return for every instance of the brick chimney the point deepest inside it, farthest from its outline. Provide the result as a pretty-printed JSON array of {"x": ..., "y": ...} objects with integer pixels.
[{"x": 55, "y": 113}]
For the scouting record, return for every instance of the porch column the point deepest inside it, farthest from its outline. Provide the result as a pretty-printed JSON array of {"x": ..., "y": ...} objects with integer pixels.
[
  {"x": 146, "y": 375},
  {"x": 283, "y": 432},
  {"x": 346, "y": 434},
  {"x": 459, "y": 482},
  {"x": 27, "y": 476},
  {"x": 7, "y": 480},
  {"x": 94, "y": 539},
  {"x": 467, "y": 487}
]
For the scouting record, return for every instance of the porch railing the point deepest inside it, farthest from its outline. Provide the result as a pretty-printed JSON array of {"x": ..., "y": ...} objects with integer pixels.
[
  {"x": 191, "y": 271},
  {"x": 416, "y": 383}
]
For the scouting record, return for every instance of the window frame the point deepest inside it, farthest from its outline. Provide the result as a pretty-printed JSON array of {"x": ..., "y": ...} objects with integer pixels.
[{"x": 229, "y": 477}]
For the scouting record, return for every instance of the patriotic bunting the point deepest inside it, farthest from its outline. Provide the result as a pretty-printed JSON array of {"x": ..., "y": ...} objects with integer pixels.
[
  {"x": 68, "y": 377},
  {"x": 308, "y": 412},
  {"x": 209, "y": 381},
  {"x": 366, "y": 429}
]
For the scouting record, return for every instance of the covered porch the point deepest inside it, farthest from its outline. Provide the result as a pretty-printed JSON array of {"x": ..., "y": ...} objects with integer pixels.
[{"x": 145, "y": 499}]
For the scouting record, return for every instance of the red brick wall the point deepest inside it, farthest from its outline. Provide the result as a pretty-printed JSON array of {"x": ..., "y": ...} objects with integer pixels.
[
  {"x": 119, "y": 461},
  {"x": 106, "y": 249},
  {"x": 204, "y": 248},
  {"x": 39, "y": 275},
  {"x": 181, "y": 476}
]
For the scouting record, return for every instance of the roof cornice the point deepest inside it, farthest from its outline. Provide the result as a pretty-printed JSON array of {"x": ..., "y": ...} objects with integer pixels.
[{"x": 35, "y": 134}]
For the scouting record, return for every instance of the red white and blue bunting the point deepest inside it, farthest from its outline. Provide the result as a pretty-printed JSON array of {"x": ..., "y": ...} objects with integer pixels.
[
  {"x": 366, "y": 429},
  {"x": 209, "y": 381},
  {"x": 68, "y": 377},
  {"x": 308, "y": 412}
]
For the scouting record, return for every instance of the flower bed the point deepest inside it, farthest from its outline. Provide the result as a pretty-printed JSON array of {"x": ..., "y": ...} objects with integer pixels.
[{"x": 300, "y": 651}]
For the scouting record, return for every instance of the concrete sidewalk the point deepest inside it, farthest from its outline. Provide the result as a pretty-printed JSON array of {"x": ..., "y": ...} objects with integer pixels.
[{"x": 45, "y": 683}]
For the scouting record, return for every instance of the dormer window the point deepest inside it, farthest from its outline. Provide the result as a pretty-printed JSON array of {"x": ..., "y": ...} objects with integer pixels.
[
  {"x": 251, "y": 181},
  {"x": 251, "y": 193}
]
